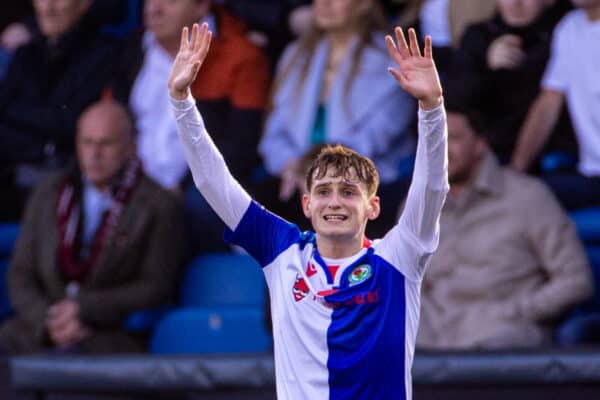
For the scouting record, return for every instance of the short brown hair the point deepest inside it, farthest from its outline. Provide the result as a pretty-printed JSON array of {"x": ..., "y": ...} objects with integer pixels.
[{"x": 343, "y": 160}]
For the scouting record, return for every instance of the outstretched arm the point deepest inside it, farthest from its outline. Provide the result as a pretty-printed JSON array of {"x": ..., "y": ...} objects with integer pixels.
[
  {"x": 416, "y": 235},
  {"x": 211, "y": 175}
]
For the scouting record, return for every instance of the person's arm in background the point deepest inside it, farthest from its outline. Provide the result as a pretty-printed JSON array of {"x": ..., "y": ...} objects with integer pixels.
[
  {"x": 546, "y": 108},
  {"x": 539, "y": 123},
  {"x": 552, "y": 236},
  {"x": 27, "y": 297}
]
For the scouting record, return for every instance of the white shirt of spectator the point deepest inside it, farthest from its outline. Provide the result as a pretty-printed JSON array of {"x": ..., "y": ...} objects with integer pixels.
[
  {"x": 573, "y": 71},
  {"x": 158, "y": 144}
]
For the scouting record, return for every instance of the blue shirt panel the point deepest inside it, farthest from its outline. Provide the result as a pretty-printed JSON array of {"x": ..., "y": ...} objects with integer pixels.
[{"x": 366, "y": 338}]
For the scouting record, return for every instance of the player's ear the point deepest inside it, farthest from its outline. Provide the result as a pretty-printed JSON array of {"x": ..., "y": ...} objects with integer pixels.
[
  {"x": 305, "y": 205},
  {"x": 374, "y": 208}
]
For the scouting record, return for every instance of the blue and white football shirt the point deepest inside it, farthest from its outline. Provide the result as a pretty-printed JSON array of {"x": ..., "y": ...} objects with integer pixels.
[{"x": 342, "y": 329}]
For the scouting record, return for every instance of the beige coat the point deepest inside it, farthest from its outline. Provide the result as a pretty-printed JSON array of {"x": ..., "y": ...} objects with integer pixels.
[
  {"x": 138, "y": 269},
  {"x": 508, "y": 264}
]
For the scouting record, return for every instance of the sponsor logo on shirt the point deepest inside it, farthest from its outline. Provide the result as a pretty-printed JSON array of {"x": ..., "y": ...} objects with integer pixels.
[{"x": 359, "y": 299}]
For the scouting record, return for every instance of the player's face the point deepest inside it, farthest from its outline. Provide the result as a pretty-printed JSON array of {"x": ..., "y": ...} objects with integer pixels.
[{"x": 339, "y": 208}]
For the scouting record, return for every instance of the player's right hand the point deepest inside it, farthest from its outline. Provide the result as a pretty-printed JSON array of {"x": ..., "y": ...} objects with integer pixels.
[{"x": 190, "y": 57}]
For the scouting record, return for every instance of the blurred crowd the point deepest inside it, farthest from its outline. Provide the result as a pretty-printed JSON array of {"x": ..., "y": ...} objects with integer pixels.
[{"x": 92, "y": 170}]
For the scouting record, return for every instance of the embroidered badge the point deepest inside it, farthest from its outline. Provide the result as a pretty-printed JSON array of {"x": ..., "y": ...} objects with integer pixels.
[{"x": 359, "y": 274}]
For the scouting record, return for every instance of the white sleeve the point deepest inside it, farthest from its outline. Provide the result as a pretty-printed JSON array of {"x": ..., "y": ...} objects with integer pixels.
[
  {"x": 409, "y": 244},
  {"x": 211, "y": 175},
  {"x": 557, "y": 72}
]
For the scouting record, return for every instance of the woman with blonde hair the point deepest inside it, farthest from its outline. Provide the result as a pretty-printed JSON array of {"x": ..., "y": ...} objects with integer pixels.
[{"x": 329, "y": 89}]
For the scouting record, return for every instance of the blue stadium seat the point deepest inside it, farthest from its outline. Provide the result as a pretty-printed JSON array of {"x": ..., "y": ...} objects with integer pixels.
[
  {"x": 145, "y": 320},
  {"x": 587, "y": 221},
  {"x": 222, "y": 309},
  {"x": 593, "y": 253},
  {"x": 223, "y": 279},
  {"x": 583, "y": 324},
  {"x": 8, "y": 237},
  {"x": 211, "y": 330},
  {"x": 556, "y": 161},
  {"x": 5, "y": 307}
]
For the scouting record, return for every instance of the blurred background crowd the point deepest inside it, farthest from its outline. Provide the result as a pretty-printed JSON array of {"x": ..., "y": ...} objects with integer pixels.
[{"x": 116, "y": 251}]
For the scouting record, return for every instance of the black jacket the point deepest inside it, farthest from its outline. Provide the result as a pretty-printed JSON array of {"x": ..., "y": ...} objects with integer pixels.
[{"x": 45, "y": 89}]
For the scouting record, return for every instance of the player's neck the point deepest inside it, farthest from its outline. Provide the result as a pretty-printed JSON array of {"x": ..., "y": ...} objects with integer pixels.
[{"x": 338, "y": 247}]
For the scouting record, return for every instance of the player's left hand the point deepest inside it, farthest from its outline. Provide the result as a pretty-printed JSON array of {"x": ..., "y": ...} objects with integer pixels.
[{"x": 416, "y": 73}]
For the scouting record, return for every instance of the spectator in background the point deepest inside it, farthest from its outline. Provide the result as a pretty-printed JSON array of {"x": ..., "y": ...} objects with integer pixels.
[
  {"x": 500, "y": 63},
  {"x": 231, "y": 94},
  {"x": 329, "y": 89},
  {"x": 571, "y": 75},
  {"x": 509, "y": 262},
  {"x": 444, "y": 21},
  {"x": 49, "y": 82},
  {"x": 98, "y": 242},
  {"x": 272, "y": 24}
]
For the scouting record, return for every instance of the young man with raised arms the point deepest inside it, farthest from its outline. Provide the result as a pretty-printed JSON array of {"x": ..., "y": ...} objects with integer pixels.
[{"x": 345, "y": 309}]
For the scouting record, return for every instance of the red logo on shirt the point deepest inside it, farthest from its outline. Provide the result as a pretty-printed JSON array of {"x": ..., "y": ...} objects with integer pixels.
[
  {"x": 311, "y": 269},
  {"x": 300, "y": 289}
]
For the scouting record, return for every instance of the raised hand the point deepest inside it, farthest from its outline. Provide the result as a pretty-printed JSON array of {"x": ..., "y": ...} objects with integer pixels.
[
  {"x": 190, "y": 57},
  {"x": 416, "y": 73}
]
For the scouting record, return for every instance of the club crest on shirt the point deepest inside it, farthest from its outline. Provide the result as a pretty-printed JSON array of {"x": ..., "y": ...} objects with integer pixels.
[
  {"x": 300, "y": 288},
  {"x": 359, "y": 274}
]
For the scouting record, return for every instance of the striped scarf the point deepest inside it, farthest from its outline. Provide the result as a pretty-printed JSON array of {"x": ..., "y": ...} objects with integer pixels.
[{"x": 74, "y": 259}]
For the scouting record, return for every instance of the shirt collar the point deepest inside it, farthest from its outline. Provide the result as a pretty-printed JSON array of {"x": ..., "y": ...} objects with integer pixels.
[{"x": 489, "y": 178}]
